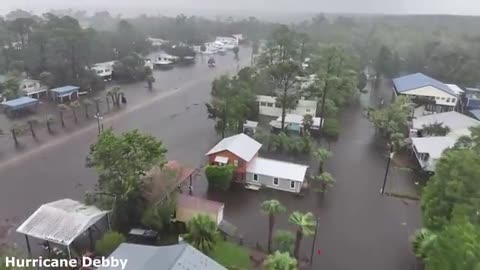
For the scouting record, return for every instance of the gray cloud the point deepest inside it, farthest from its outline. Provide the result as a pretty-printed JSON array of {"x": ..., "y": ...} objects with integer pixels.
[{"x": 131, "y": 7}]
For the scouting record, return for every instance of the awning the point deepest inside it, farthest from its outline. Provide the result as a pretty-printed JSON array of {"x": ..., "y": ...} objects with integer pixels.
[
  {"x": 20, "y": 103},
  {"x": 61, "y": 221},
  {"x": 222, "y": 160}
]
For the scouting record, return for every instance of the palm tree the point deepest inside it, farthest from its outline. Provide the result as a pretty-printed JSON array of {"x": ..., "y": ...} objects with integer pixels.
[
  {"x": 62, "y": 108},
  {"x": 326, "y": 180},
  {"x": 305, "y": 226},
  {"x": 97, "y": 101},
  {"x": 280, "y": 261},
  {"x": 307, "y": 123},
  {"x": 150, "y": 80},
  {"x": 271, "y": 207},
  {"x": 422, "y": 242},
  {"x": 435, "y": 129},
  {"x": 75, "y": 106},
  {"x": 32, "y": 122},
  {"x": 115, "y": 94},
  {"x": 321, "y": 155},
  {"x": 49, "y": 121},
  {"x": 14, "y": 131},
  {"x": 202, "y": 233},
  {"x": 86, "y": 105},
  {"x": 284, "y": 241}
]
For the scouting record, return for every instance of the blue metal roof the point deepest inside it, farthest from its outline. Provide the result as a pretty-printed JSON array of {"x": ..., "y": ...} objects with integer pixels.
[
  {"x": 418, "y": 80},
  {"x": 476, "y": 113},
  {"x": 20, "y": 103},
  {"x": 65, "y": 89},
  {"x": 473, "y": 103}
]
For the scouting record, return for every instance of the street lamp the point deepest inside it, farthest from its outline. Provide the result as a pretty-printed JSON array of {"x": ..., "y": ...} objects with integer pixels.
[
  {"x": 98, "y": 117},
  {"x": 390, "y": 156}
]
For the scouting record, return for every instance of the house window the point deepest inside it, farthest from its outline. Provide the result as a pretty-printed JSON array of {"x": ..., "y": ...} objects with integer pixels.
[
  {"x": 443, "y": 98},
  {"x": 255, "y": 177},
  {"x": 275, "y": 181},
  {"x": 453, "y": 100},
  {"x": 448, "y": 99},
  {"x": 277, "y": 105},
  {"x": 270, "y": 104},
  {"x": 292, "y": 184},
  {"x": 235, "y": 163},
  {"x": 263, "y": 104}
]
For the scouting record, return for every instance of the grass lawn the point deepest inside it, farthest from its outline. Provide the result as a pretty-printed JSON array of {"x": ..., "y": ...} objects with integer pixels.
[{"x": 232, "y": 256}]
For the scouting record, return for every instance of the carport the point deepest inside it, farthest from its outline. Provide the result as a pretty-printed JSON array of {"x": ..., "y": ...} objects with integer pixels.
[
  {"x": 61, "y": 222},
  {"x": 64, "y": 91},
  {"x": 17, "y": 104}
]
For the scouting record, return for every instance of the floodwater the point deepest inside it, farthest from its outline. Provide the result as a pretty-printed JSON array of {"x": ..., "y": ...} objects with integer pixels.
[{"x": 358, "y": 228}]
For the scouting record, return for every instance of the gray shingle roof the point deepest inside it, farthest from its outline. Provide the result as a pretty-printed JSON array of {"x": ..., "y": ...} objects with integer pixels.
[
  {"x": 418, "y": 80},
  {"x": 174, "y": 257}
]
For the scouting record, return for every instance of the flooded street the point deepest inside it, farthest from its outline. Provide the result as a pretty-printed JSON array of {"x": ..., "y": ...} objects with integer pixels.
[
  {"x": 358, "y": 229},
  {"x": 174, "y": 112}
]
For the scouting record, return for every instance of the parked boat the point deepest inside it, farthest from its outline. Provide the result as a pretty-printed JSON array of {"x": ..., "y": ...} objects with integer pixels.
[{"x": 165, "y": 61}]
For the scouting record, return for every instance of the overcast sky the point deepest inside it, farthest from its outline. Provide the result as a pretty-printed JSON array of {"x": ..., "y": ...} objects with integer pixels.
[{"x": 131, "y": 7}]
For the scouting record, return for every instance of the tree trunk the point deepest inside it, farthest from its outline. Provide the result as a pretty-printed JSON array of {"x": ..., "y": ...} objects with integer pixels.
[
  {"x": 30, "y": 124},
  {"x": 14, "y": 136},
  {"x": 271, "y": 223},
  {"x": 298, "y": 240},
  {"x": 61, "y": 119},
  {"x": 86, "y": 112},
  {"x": 49, "y": 128},
  {"x": 284, "y": 106},
  {"x": 74, "y": 111},
  {"x": 320, "y": 168}
]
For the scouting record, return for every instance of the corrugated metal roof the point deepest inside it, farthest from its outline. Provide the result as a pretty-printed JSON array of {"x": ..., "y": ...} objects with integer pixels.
[
  {"x": 455, "y": 88},
  {"x": 61, "y": 221},
  {"x": 434, "y": 146},
  {"x": 65, "y": 89},
  {"x": 453, "y": 120},
  {"x": 174, "y": 257},
  {"x": 240, "y": 145},
  {"x": 276, "y": 168},
  {"x": 418, "y": 80},
  {"x": 476, "y": 113},
  {"x": 20, "y": 102}
]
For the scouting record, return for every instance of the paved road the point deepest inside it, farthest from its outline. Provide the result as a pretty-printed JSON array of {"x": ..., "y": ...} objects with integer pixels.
[{"x": 175, "y": 113}]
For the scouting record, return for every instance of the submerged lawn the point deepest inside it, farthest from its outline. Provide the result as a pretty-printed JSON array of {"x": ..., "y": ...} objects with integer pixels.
[{"x": 232, "y": 256}]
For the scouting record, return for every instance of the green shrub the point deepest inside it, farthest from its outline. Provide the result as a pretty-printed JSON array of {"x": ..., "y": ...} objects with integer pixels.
[
  {"x": 283, "y": 241},
  {"x": 219, "y": 177},
  {"x": 109, "y": 242},
  {"x": 331, "y": 127},
  {"x": 231, "y": 256}
]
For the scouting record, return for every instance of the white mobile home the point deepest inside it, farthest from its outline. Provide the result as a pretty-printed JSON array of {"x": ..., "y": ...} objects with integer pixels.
[
  {"x": 32, "y": 88},
  {"x": 267, "y": 105},
  {"x": 276, "y": 174}
]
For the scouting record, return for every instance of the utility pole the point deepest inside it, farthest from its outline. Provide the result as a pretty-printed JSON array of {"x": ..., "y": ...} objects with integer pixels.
[
  {"x": 98, "y": 117},
  {"x": 313, "y": 243},
  {"x": 390, "y": 156}
]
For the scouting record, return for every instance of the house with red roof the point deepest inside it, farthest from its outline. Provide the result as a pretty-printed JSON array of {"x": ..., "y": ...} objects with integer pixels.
[{"x": 241, "y": 151}]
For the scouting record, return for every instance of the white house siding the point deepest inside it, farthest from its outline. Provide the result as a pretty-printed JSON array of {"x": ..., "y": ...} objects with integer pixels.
[
  {"x": 264, "y": 180},
  {"x": 441, "y": 97},
  {"x": 267, "y": 106}
]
